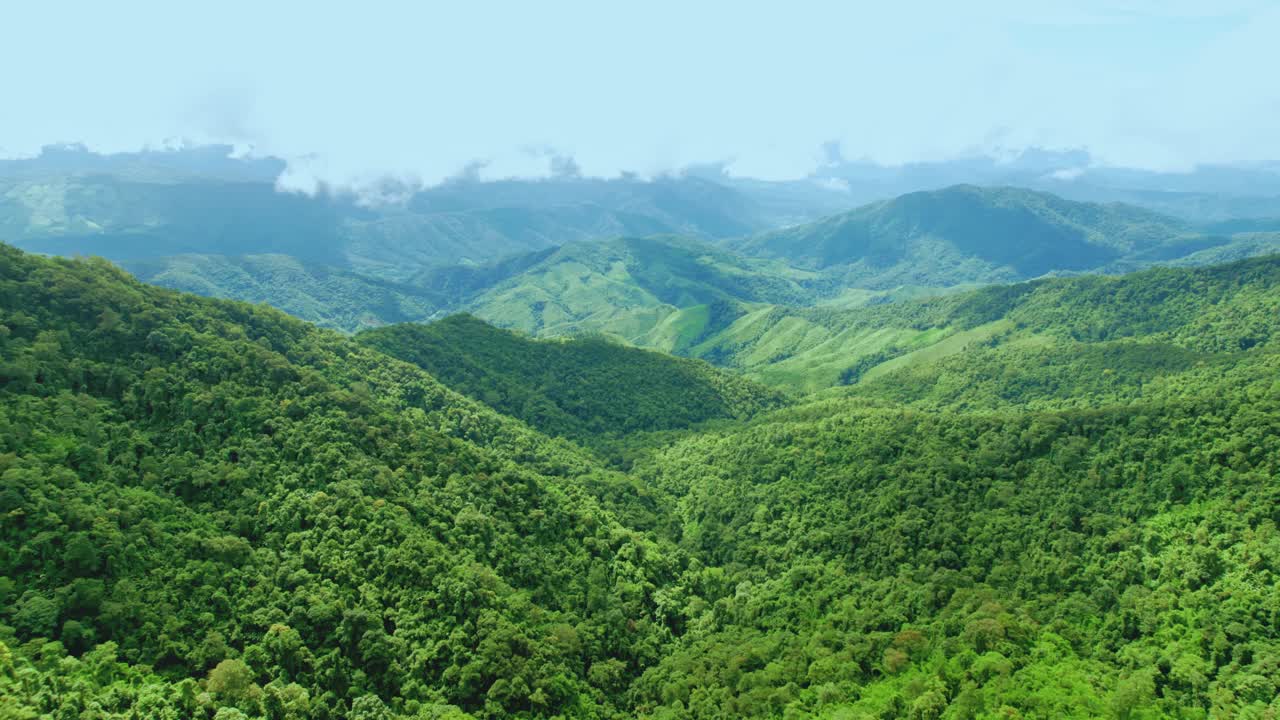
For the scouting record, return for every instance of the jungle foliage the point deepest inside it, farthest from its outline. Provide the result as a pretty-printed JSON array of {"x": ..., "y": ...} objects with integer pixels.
[{"x": 210, "y": 509}]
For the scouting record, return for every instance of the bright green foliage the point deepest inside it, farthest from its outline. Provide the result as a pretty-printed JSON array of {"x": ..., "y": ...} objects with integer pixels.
[
  {"x": 1082, "y": 529},
  {"x": 254, "y": 514},
  {"x": 969, "y": 234},
  {"x": 585, "y": 388},
  {"x": 323, "y": 295},
  {"x": 212, "y": 510},
  {"x": 1211, "y": 309},
  {"x": 626, "y": 286}
]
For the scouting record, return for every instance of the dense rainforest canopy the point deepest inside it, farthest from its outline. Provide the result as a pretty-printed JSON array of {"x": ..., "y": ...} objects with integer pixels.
[
  {"x": 210, "y": 509},
  {"x": 586, "y": 388}
]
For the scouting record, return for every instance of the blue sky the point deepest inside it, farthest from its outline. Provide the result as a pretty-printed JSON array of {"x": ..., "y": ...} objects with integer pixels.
[{"x": 349, "y": 91}]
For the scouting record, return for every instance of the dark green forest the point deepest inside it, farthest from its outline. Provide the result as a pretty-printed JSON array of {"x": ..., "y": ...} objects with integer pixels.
[
  {"x": 590, "y": 389},
  {"x": 213, "y": 510}
]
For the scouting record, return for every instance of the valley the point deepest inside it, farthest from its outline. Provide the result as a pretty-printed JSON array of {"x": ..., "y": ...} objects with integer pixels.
[{"x": 961, "y": 454}]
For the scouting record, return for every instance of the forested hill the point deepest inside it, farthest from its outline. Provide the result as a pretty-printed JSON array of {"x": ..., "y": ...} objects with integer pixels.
[
  {"x": 1205, "y": 308},
  {"x": 212, "y": 510},
  {"x": 209, "y": 504},
  {"x": 660, "y": 264},
  {"x": 1117, "y": 560},
  {"x": 965, "y": 234},
  {"x": 584, "y": 388},
  {"x": 625, "y": 286},
  {"x": 1073, "y": 516},
  {"x": 324, "y": 295}
]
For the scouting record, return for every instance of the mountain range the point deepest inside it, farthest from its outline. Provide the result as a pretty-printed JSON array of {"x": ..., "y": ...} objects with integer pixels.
[
  {"x": 685, "y": 448},
  {"x": 664, "y": 264},
  {"x": 156, "y": 204},
  {"x": 1046, "y": 499}
]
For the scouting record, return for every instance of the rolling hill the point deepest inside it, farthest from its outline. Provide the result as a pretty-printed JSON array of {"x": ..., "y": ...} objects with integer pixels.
[
  {"x": 966, "y": 234},
  {"x": 1069, "y": 556},
  {"x": 680, "y": 295},
  {"x": 583, "y": 388},
  {"x": 331, "y": 298},
  {"x": 302, "y": 515},
  {"x": 214, "y": 510},
  {"x": 817, "y": 348},
  {"x": 623, "y": 287}
]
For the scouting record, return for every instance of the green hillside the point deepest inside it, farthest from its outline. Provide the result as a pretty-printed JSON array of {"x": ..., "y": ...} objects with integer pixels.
[
  {"x": 968, "y": 234},
  {"x": 535, "y": 256},
  {"x": 326, "y": 296},
  {"x": 209, "y": 504},
  {"x": 214, "y": 510},
  {"x": 817, "y": 348},
  {"x": 584, "y": 388},
  {"x": 1243, "y": 245},
  {"x": 626, "y": 286},
  {"x": 765, "y": 314},
  {"x": 1051, "y": 517},
  {"x": 1112, "y": 561}
]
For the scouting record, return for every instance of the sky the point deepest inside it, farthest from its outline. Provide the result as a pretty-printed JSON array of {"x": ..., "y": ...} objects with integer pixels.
[{"x": 352, "y": 91}]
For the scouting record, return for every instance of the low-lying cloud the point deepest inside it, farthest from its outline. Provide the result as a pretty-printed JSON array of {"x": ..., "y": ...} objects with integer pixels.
[{"x": 352, "y": 93}]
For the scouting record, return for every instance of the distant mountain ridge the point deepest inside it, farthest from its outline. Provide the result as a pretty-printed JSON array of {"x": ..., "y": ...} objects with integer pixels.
[
  {"x": 185, "y": 163},
  {"x": 1201, "y": 194},
  {"x": 123, "y": 219},
  {"x": 676, "y": 294},
  {"x": 966, "y": 234},
  {"x": 670, "y": 263},
  {"x": 205, "y": 200},
  {"x": 623, "y": 286}
]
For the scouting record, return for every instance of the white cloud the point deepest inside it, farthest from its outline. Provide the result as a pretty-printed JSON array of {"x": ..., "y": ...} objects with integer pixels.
[
  {"x": 354, "y": 91},
  {"x": 1067, "y": 174}
]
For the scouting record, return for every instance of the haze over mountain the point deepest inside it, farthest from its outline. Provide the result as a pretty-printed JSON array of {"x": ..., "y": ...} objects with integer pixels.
[
  {"x": 969, "y": 234},
  {"x": 544, "y": 256},
  {"x": 154, "y": 204},
  {"x": 672, "y": 294},
  {"x": 573, "y": 360},
  {"x": 1197, "y": 193}
]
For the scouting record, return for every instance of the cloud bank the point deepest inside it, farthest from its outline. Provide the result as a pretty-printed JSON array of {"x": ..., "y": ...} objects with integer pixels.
[{"x": 351, "y": 93}]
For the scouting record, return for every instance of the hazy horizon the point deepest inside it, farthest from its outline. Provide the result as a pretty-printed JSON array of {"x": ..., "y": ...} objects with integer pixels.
[{"x": 351, "y": 95}]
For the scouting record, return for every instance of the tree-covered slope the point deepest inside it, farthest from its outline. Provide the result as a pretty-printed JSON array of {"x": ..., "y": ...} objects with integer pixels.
[
  {"x": 815, "y": 348},
  {"x": 213, "y": 510},
  {"x": 1243, "y": 245},
  {"x": 968, "y": 234},
  {"x": 627, "y": 286},
  {"x": 788, "y": 324},
  {"x": 328, "y": 297},
  {"x": 1079, "y": 521},
  {"x": 1115, "y": 561},
  {"x": 583, "y": 387},
  {"x": 208, "y": 504}
]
